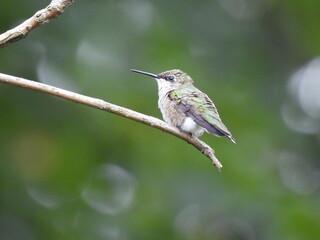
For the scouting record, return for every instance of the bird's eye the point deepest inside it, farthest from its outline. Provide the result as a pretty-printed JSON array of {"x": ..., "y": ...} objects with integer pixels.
[{"x": 170, "y": 78}]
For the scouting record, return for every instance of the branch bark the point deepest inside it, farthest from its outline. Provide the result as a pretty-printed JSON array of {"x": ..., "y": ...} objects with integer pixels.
[
  {"x": 53, "y": 10},
  {"x": 112, "y": 108}
]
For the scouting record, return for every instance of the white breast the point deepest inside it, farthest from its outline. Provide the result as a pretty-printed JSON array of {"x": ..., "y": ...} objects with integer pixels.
[{"x": 191, "y": 126}]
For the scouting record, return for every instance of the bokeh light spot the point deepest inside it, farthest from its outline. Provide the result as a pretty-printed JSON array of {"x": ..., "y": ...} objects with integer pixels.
[
  {"x": 110, "y": 190},
  {"x": 297, "y": 174}
]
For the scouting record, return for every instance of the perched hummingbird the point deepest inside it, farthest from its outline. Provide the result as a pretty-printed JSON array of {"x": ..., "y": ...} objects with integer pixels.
[{"x": 184, "y": 106}]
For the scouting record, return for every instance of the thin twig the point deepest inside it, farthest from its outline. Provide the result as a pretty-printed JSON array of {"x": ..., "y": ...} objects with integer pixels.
[
  {"x": 54, "y": 9},
  {"x": 112, "y": 108}
]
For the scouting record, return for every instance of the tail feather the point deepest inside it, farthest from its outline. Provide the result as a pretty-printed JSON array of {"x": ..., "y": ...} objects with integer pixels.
[
  {"x": 223, "y": 133},
  {"x": 232, "y": 139}
]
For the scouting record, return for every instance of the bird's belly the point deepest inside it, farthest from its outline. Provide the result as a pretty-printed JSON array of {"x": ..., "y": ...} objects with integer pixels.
[
  {"x": 178, "y": 119},
  {"x": 192, "y": 127}
]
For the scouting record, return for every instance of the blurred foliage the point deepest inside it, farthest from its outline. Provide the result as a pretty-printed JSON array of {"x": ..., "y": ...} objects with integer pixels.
[{"x": 72, "y": 172}]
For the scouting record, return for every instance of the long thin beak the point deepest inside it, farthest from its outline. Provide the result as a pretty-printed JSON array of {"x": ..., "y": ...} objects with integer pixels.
[{"x": 145, "y": 73}]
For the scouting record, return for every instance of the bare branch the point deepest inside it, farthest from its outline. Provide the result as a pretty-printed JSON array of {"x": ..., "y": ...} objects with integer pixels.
[
  {"x": 112, "y": 108},
  {"x": 54, "y": 9}
]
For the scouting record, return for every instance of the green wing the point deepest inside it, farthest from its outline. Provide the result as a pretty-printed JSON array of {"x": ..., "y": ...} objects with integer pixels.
[{"x": 201, "y": 109}]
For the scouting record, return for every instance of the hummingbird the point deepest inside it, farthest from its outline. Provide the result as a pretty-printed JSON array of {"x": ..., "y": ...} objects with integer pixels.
[{"x": 184, "y": 106}]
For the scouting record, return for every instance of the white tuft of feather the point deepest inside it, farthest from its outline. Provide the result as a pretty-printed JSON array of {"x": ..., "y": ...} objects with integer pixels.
[{"x": 192, "y": 127}]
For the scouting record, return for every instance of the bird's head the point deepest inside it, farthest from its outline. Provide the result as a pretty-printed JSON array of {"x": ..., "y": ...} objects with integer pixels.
[{"x": 171, "y": 79}]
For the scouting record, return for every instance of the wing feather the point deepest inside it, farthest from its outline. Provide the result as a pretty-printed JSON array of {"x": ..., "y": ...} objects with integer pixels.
[{"x": 201, "y": 109}]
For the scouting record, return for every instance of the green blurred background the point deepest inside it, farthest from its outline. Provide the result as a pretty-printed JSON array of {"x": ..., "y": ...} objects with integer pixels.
[{"x": 73, "y": 172}]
